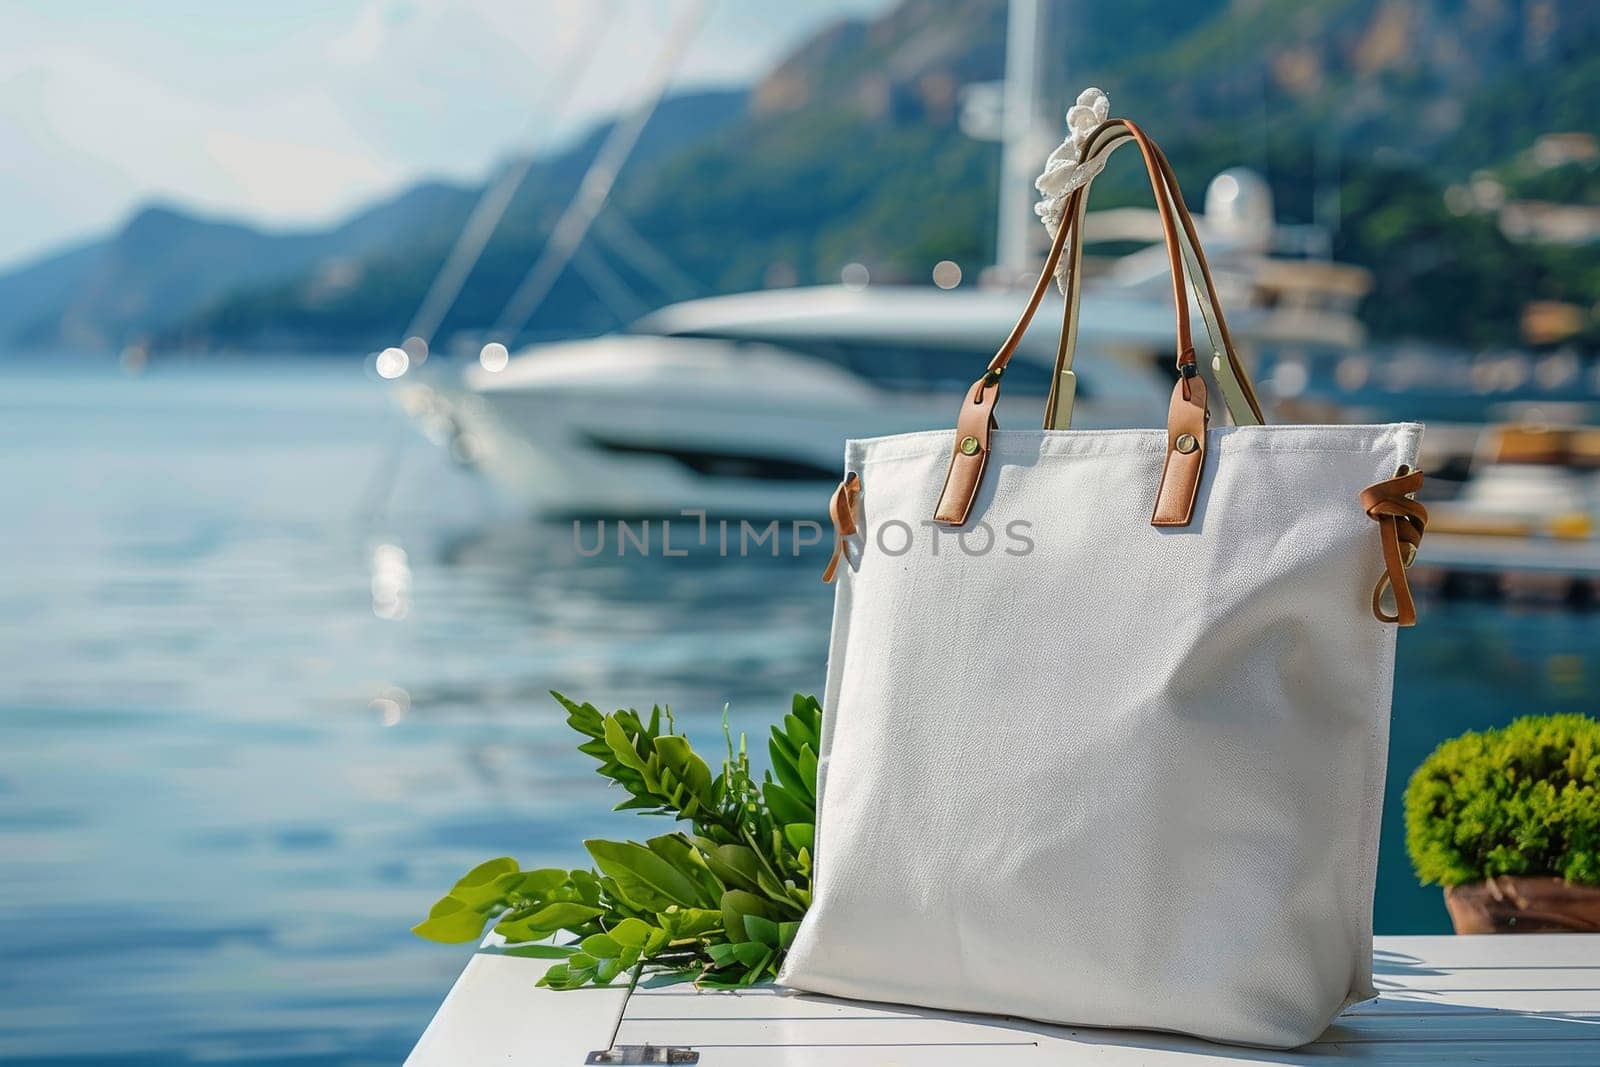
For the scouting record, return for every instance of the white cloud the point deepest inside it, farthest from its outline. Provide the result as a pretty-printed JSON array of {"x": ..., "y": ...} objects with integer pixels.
[
  {"x": 282, "y": 156},
  {"x": 302, "y": 114}
]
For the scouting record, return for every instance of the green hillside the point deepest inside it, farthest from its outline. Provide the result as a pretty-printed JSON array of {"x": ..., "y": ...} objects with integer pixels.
[{"x": 850, "y": 150}]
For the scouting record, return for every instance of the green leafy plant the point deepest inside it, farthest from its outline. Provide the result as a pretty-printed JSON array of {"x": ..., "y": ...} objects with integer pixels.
[
  {"x": 1523, "y": 799},
  {"x": 720, "y": 903}
]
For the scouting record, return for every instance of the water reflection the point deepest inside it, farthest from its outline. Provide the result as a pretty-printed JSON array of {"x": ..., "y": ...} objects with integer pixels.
[
  {"x": 247, "y": 735},
  {"x": 701, "y": 629}
]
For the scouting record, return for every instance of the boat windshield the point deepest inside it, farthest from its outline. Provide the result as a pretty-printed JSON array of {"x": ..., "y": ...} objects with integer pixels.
[{"x": 901, "y": 367}]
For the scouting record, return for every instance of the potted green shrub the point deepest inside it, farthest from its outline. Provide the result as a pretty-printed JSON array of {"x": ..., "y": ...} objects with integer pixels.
[{"x": 1508, "y": 822}]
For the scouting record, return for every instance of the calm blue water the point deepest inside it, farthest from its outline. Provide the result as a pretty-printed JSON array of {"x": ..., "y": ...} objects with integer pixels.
[{"x": 257, "y": 712}]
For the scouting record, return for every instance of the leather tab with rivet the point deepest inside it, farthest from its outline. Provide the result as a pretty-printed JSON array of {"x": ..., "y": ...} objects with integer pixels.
[
  {"x": 971, "y": 453},
  {"x": 1186, "y": 452}
]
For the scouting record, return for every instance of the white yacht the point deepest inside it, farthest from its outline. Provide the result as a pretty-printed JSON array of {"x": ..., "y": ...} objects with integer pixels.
[{"x": 740, "y": 405}]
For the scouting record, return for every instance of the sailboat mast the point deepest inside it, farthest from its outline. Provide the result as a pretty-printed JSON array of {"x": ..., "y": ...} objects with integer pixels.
[{"x": 1019, "y": 162}]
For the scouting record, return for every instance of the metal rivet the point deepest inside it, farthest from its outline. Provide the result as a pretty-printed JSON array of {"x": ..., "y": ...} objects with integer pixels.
[
  {"x": 969, "y": 446},
  {"x": 1186, "y": 443}
]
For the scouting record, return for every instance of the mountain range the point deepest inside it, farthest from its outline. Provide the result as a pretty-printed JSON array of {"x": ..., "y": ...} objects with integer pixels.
[{"x": 851, "y": 149}]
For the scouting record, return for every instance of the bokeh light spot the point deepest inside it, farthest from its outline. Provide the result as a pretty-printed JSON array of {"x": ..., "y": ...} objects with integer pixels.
[
  {"x": 392, "y": 363},
  {"x": 494, "y": 357}
]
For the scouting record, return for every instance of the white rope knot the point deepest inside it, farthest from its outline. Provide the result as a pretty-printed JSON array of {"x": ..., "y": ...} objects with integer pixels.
[{"x": 1062, "y": 171}]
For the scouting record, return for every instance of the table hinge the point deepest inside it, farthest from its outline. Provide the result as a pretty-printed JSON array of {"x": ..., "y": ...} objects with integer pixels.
[{"x": 619, "y": 1055}]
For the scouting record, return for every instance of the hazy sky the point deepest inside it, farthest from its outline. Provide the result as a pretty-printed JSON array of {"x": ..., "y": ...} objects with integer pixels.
[{"x": 296, "y": 111}]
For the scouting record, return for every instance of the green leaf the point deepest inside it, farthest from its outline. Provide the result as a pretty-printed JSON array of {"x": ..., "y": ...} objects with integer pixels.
[
  {"x": 600, "y": 960},
  {"x": 645, "y": 879},
  {"x": 584, "y": 718},
  {"x": 622, "y": 747},
  {"x": 613, "y": 898},
  {"x": 679, "y": 851},
  {"x": 636, "y": 933},
  {"x": 787, "y": 768},
  {"x": 446, "y": 905},
  {"x": 482, "y": 888},
  {"x": 601, "y": 945},
  {"x": 485, "y": 873},
  {"x": 772, "y": 887},
  {"x": 581, "y": 969},
  {"x": 562, "y": 915},
  {"x": 680, "y": 924},
  {"x": 736, "y": 904},
  {"x": 738, "y": 964},
  {"x": 751, "y": 953},
  {"x": 736, "y": 865},
  {"x": 540, "y": 884},
  {"x": 676, "y": 754},
  {"x": 541, "y": 952},
  {"x": 800, "y": 835},
  {"x": 608, "y": 969},
  {"x": 808, "y": 772},
  {"x": 663, "y": 975},
  {"x": 800, "y": 731},
  {"x": 797, "y": 733},
  {"x": 452, "y": 927},
  {"x": 808, "y": 709},
  {"x": 786, "y": 806},
  {"x": 583, "y": 887},
  {"x": 762, "y": 930}
]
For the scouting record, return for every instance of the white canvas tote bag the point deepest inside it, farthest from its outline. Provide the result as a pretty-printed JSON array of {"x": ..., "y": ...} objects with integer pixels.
[{"x": 1107, "y": 711}]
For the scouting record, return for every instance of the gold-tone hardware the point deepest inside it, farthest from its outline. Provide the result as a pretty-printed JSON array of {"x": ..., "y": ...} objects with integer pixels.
[
  {"x": 1186, "y": 443},
  {"x": 969, "y": 446}
]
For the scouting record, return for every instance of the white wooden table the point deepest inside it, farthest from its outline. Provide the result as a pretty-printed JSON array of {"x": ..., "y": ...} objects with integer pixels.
[{"x": 1510, "y": 999}]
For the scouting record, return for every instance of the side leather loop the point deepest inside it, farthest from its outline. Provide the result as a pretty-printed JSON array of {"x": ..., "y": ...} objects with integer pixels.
[
  {"x": 1401, "y": 521},
  {"x": 842, "y": 509}
]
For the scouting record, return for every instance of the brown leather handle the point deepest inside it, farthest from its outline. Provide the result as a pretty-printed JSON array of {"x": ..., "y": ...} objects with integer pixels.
[
  {"x": 1184, "y": 218},
  {"x": 1187, "y": 413},
  {"x": 1233, "y": 378},
  {"x": 1185, "y": 345}
]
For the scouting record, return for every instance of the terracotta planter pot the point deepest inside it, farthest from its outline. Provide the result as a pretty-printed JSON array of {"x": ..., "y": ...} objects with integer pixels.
[{"x": 1521, "y": 905}]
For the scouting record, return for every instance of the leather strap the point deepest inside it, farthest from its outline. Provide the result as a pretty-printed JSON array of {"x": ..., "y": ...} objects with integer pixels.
[
  {"x": 970, "y": 450},
  {"x": 1237, "y": 393},
  {"x": 842, "y": 509},
  {"x": 1401, "y": 521}
]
